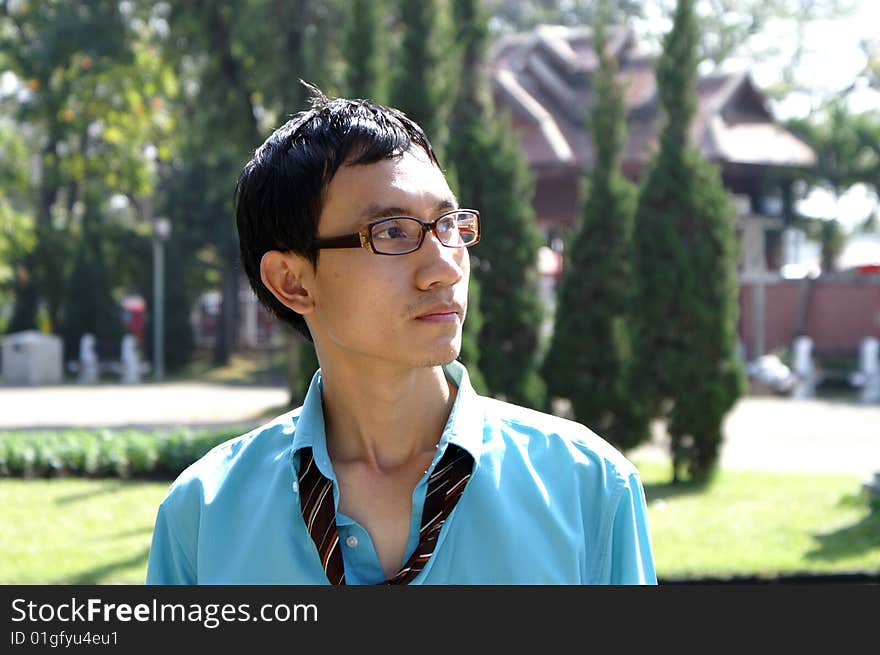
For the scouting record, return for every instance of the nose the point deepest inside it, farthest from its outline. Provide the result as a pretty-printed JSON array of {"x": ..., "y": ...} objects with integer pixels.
[{"x": 440, "y": 265}]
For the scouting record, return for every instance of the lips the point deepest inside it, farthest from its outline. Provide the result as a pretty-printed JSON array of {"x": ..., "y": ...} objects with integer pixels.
[{"x": 445, "y": 311}]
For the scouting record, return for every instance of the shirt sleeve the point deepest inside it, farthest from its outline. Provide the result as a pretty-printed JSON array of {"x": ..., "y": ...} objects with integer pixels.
[
  {"x": 632, "y": 560},
  {"x": 169, "y": 562}
]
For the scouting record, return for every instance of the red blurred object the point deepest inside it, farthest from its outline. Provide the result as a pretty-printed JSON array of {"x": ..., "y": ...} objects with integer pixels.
[
  {"x": 868, "y": 269},
  {"x": 134, "y": 316}
]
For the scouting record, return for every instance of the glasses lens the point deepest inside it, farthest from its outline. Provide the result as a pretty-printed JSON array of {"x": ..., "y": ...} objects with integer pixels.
[
  {"x": 396, "y": 236},
  {"x": 463, "y": 231}
]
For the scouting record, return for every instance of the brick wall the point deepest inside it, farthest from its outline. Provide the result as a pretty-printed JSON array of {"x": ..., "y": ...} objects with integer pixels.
[{"x": 836, "y": 311}]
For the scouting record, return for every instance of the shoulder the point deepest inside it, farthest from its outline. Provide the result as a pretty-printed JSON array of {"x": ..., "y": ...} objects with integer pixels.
[
  {"x": 552, "y": 442},
  {"x": 232, "y": 463}
]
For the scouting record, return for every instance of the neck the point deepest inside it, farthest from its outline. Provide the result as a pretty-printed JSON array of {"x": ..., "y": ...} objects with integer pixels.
[{"x": 384, "y": 418}]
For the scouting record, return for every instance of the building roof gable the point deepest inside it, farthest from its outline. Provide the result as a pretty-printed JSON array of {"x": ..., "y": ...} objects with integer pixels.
[{"x": 545, "y": 78}]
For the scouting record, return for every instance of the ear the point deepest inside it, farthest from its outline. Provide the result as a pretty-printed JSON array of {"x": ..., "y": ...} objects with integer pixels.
[{"x": 286, "y": 275}]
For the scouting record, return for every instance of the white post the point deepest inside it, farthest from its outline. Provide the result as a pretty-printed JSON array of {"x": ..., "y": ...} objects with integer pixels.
[
  {"x": 88, "y": 360},
  {"x": 249, "y": 308},
  {"x": 130, "y": 364},
  {"x": 869, "y": 366},
  {"x": 803, "y": 368}
]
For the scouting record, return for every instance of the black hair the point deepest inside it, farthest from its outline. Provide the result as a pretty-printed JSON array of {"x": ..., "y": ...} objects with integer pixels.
[{"x": 280, "y": 193}]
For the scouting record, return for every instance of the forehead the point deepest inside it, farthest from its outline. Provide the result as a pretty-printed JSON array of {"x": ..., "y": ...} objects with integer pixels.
[{"x": 410, "y": 182}]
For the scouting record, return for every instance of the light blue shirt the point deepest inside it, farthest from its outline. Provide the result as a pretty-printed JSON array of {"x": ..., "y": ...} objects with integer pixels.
[{"x": 548, "y": 502}]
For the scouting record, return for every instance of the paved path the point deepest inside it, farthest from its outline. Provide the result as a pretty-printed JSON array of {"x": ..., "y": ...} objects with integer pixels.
[
  {"x": 761, "y": 432},
  {"x": 782, "y": 434},
  {"x": 108, "y": 405}
]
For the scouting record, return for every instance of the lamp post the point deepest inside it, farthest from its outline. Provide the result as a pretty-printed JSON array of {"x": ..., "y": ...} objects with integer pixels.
[{"x": 161, "y": 232}]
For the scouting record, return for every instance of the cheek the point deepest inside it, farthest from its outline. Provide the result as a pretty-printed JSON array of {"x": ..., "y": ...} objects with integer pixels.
[{"x": 356, "y": 299}]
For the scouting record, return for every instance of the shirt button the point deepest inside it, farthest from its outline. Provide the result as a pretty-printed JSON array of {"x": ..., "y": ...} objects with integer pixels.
[
  {"x": 295, "y": 487},
  {"x": 351, "y": 541}
]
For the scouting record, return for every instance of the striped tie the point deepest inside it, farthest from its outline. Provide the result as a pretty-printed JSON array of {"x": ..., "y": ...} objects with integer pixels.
[{"x": 445, "y": 487}]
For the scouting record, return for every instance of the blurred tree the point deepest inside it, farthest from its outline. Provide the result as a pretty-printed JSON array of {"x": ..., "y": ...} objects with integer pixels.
[
  {"x": 492, "y": 176},
  {"x": 590, "y": 356},
  {"x": 847, "y": 146},
  {"x": 307, "y": 364},
  {"x": 17, "y": 238},
  {"x": 221, "y": 130},
  {"x": 90, "y": 306},
  {"x": 685, "y": 264},
  {"x": 90, "y": 109},
  {"x": 179, "y": 339},
  {"x": 364, "y": 48},
  {"x": 423, "y": 70},
  {"x": 283, "y": 41},
  {"x": 240, "y": 64}
]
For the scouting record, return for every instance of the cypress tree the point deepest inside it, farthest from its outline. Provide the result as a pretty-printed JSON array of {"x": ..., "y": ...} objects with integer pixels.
[
  {"x": 685, "y": 262},
  {"x": 417, "y": 80},
  {"x": 361, "y": 52},
  {"x": 493, "y": 177},
  {"x": 590, "y": 356}
]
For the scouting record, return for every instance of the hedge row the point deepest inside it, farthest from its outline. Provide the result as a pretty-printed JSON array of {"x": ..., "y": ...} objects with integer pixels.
[{"x": 161, "y": 454}]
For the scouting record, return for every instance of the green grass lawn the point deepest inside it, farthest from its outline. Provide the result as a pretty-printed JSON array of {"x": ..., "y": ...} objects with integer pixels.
[
  {"x": 76, "y": 530},
  {"x": 81, "y": 531},
  {"x": 749, "y": 523}
]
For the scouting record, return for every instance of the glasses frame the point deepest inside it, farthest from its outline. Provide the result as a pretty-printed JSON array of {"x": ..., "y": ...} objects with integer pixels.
[{"x": 364, "y": 237}]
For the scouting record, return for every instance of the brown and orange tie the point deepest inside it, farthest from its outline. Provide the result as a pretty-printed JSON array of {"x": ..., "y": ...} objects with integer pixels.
[{"x": 445, "y": 487}]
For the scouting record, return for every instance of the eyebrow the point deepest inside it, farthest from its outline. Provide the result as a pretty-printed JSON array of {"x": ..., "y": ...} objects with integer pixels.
[{"x": 375, "y": 211}]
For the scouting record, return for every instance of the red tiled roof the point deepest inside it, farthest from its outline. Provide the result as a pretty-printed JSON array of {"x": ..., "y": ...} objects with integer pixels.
[{"x": 544, "y": 77}]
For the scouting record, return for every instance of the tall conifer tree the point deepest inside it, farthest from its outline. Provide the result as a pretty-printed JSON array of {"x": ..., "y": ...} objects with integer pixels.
[
  {"x": 417, "y": 84},
  {"x": 685, "y": 259},
  {"x": 361, "y": 51},
  {"x": 493, "y": 177},
  {"x": 590, "y": 356}
]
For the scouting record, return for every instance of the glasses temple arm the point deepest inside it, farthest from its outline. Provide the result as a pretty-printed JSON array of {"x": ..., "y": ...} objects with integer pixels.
[{"x": 344, "y": 241}]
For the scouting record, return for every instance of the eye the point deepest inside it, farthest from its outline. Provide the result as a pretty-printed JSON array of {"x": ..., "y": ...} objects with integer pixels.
[
  {"x": 393, "y": 231},
  {"x": 448, "y": 223}
]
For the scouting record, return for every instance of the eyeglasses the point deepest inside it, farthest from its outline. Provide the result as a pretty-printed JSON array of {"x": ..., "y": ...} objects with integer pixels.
[{"x": 399, "y": 235}]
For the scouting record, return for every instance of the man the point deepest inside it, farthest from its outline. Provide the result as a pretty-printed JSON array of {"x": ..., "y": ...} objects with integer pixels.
[{"x": 394, "y": 470}]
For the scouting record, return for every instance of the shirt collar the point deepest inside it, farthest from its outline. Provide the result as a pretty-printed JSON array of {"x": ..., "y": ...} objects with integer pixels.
[{"x": 464, "y": 427}]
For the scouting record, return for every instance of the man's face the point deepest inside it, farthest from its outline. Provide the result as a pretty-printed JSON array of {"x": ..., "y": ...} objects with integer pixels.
[{"x": 403, "y": 309}]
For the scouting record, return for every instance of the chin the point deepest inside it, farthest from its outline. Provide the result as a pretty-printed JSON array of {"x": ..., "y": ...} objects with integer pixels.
[{"x": 441, "y": 356}]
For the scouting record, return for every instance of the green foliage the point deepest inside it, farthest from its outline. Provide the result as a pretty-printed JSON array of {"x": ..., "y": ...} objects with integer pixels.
[
  {"x": 830, "y": 236},
  {"x": 493, "y": 177},
  {"x": 421, "y": 64},
  {"x": 847, "y": 146},
  {"x": 178, "y": 338},
  {"x": 470, "y": 338},
  {"x": 363, "y": 51},
  {"x": 93, "y": 104},
  {"x": 685, "y": 264},
  {"x": 589, "y": 360},
  {"x": 308, "y": 364},
  {"x": 105, "y": 453},
  {"x": 17, "y": 240},
  {"x": 90, "y": 306}
]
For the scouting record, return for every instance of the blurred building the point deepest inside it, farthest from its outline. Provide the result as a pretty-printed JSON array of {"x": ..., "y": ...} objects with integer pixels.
[{"x": 544, "y": 78}]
